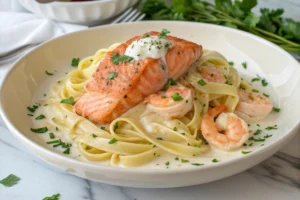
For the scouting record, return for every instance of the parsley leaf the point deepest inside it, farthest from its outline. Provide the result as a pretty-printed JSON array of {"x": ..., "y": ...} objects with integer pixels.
[
  {"x": 40, "y": 117},
  {"x": 53, "y": 197},
  {"x": 176, "y": 97},
  {"x": 201, "y": 82},
  {"x": 215, "y": 160},
  {"x": 10, "y": 180},
  {"x": 112, "y": 141},
  {"x": 168, "y": 84},
  {"x": 49, "y": 73},
  {"x": 112, "y": 75},
  {"x": 163, "y": 33},
  {"x": 276, "y": 109},
  {"x": 117, "y": 58},
  {"x": 246, "y": 152},
  {"x": 75, "y": 62},
  {"x": 197, "y": 164},
  {"x": 244, "y": 65},
  {"x": 39, "y": 130},
  {"x": 251, "y": 20},
  {"x": 69, "y": 101},
  {"x": 184, "y": 161}
]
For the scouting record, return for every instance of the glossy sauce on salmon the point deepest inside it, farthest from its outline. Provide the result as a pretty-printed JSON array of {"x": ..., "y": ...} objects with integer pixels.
[{"x": 115, "y": 88}]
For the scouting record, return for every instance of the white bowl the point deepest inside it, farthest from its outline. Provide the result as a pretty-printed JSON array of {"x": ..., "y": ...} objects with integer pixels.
[
  {"x": 280, "y": 69},
  {"x": 85, "y": 13}
]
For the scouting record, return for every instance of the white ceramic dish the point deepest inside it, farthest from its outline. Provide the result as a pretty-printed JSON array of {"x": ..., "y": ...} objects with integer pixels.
[
  {"x": 280, "y": 69},
  {"x": 85, "y": 13}
]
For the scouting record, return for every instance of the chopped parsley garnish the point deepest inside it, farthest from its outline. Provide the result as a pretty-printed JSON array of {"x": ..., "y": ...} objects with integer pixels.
[
  {"x": 215, "y": 160},
  {"x": 169, "y": 82},
  {"x": 53, "y": 197},
  {"x": 112, "y": 141},
  {"x": 176, "y": 97},
  {"x": 264, "y": 82},
  {"x": 117, "y": 58},
  {"x": 257, "y": 139},
  {"x": 49, "y": 73},
  {"x": 244, "y": 65},
  {"x": 201, "y": 82},
  {"x": 197, "y": 145},
  {"x": 33, "y": 108},
  {"x": 94, "y": 136},
  {"x": 67, "y": 151},
  {"x": 246, "y": 152},
  {"x": 266, "y": 95},
  {"x": 254, "y": 90},
  {"x": 176, "y": 158},
  {"x": 272, "y": 128},
  {"x": 39, "y": 130},
  {"x": 102, "y": 128},
  {"x": 116, "y": 126},
  {"x": 69, "y": 101},
  {"x": 112, "y": 75},
  {"x": 267, "y": 136},
  {"x": 40, "y": 117},
  {"x": 197, "y": 164},
  {"x": 10, "y": 180},
  {"x": 75, "y": 62},
  {"x": 163, "y": 33},
  {"x": 159, "y": 138},
  {"x": 145, "y": 36},
  {"x": 256, "y": 79},
  {"x": 167, "y": 163},
  {"x": 231, "y": 63},
  {"x": 276, "y": 109},
  {"x": 64, "y": 145},
  {"x": 30, "y": 115},
  {"x": 163, "y": 67},
  {"x": 184, "y": 161},
  {"x": 257, "y": 132},
  {"x": 163, "y": 97},
  {"x": 182, "y": 133},
  {"x": 51, "y": 135},
  {"x": 175, "y": 129}
]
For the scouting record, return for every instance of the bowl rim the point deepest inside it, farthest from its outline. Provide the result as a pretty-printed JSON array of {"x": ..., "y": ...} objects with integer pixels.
[{"x": 136, "y": 170}]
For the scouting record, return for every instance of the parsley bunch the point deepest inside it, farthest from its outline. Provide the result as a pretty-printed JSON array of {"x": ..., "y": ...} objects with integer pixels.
[{"x": 269, "y": 25}]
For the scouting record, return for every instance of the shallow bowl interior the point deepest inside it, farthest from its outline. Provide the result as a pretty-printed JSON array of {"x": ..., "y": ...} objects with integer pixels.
[{"x": 263, "y": 58}]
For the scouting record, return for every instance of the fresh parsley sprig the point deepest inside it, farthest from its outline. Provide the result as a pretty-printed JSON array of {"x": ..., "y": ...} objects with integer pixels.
[{"x": 238, "y": 14}]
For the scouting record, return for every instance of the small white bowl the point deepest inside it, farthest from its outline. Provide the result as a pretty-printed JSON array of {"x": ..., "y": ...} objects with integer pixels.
[
  {"x": 279, "y": 68},
  {"x": 84, "y": 13}
]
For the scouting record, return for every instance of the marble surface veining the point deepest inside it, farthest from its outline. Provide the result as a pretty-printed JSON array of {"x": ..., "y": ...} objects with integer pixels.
[{"x": 276, "y": 178}]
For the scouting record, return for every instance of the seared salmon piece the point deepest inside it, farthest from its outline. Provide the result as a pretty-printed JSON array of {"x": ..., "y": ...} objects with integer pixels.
[{"x": 115, "y": 88}]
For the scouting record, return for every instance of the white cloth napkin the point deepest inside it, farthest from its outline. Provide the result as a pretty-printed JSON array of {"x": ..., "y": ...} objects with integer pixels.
[{"x": 20, "y": 28}]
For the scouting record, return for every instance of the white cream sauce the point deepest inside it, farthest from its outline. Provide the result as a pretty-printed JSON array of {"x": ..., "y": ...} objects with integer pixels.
[
  {"x": 160, "y": 162},
  {"x": 149, "y": 47}
]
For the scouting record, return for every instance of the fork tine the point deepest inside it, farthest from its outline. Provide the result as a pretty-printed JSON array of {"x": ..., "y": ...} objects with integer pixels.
[
  {"x": 141, "y": 17},
  {"x": 122, "y": 16},
  {"x": 128, "y": 17},
  {"x": 134, "y": 17}
]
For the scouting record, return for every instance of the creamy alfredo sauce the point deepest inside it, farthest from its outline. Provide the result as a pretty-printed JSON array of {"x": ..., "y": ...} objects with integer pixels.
[
  {"x": 164, "y": 161},
  {"x": 149, "y": 47}
]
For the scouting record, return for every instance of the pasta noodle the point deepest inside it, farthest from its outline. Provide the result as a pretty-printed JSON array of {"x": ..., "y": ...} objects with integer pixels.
[{"x": 140, "y": 136}]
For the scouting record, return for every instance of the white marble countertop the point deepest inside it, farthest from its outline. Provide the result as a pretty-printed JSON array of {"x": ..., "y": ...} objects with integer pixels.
[{"x": 276, "y": 178}]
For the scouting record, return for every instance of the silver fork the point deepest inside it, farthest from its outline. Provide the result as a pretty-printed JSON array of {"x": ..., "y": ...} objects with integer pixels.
[{"x": 130, "y": 15}]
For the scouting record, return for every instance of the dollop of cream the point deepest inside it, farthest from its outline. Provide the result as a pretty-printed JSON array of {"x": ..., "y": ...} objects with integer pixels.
[{"x": 149, "y": 47}]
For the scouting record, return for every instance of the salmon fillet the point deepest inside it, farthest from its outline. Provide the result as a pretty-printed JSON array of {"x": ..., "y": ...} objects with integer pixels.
[{"x": 107, "y": 99}]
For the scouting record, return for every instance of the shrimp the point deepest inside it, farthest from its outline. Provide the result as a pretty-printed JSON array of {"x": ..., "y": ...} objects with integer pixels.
[
  {"x": 253, "y": 107},
  {"x": 228, "y": 132},
  {"x": 212, "y": 74},
  {"x": 175, "y": 102}
]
